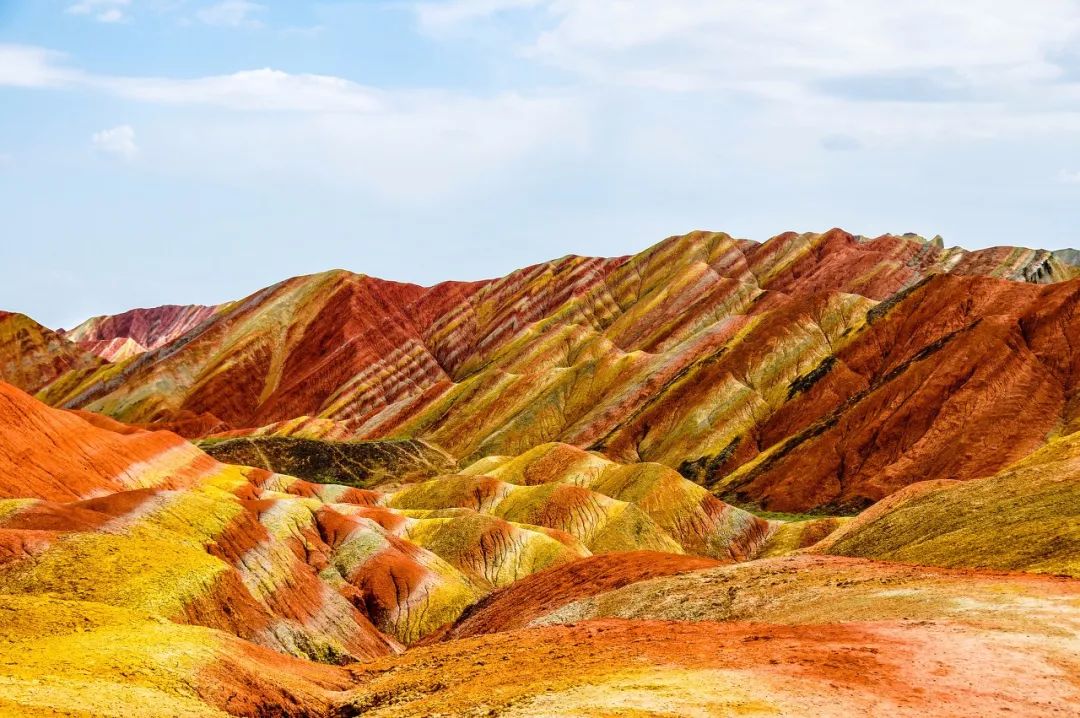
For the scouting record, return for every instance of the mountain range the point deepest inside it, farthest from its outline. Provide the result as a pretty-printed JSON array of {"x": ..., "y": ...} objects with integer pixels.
[{"x": 824, "y": 474}]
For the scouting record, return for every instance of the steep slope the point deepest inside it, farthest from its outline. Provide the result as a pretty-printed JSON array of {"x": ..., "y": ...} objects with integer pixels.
[
  {"x": 32, "y": 356},
  {"x": 113, "y": 350},
  {"x": 762, "y": 371},
  {"x": 57, "y": 456},
  {"x": 956, "y": 378}
]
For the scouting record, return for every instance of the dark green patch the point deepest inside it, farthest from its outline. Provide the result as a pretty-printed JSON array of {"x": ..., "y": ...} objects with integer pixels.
[
  {"x": 803, "y": 383},
  {"x": 882, "y": 308},
  {"x": 707, "y": 470},
  {"x": 353, "y": 463}
]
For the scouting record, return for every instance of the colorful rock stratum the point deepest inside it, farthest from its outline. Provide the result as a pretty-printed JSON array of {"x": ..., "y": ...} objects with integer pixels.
[{"x": 822, "y": 475}]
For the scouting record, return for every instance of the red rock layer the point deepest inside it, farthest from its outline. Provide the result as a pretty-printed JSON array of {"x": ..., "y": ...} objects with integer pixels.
[
  {"x": 147, "y": 328},
  {"x": 960, "y": 378},
  {"x": 517, "y": 605},
  {"x": 55, "y": 455}
]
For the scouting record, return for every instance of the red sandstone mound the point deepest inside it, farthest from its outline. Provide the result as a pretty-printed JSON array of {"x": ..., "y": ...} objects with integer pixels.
[
  {"x": 515, "y": 606},
  {"x": 57, "y": 456}
]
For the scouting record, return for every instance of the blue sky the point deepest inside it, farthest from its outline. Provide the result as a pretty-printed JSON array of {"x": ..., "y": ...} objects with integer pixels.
[{"x": 181, "y": 151}]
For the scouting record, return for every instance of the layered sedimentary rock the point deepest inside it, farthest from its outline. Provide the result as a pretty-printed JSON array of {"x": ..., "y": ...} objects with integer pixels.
[
  {"x": 508, "y": 497},
  {"x": 766, "y": 372},
  {"x": 313, "y": 569},
  {"x": 646, "y": 667},
  {"x": 33, "y": 356},
  {"x": 113, "y": 350},
  {"x": 140, "y": 330},
  {"x": 1026, "y": 518},
  {"x": 78, "y": 658},
  {"x": 906, "y": 640}
]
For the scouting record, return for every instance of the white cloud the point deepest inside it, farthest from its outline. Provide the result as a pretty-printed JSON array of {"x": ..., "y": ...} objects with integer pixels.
[
  {"x": 1069, "y": 176},
  {"x": 733, "y": 42},
  {"x": 118, "y": 141},
  {"x": 254, "y": 125},
  {"x": 26, "y": 66},
  {"x": 109, "y": 11},
  {"x": 414, "y": 148},
  {"x": 232, "y": 13},
  {"x": 256, "y": 90},
  {"x": 872, "y": 70},
  {"x": 265, "y": 89}
]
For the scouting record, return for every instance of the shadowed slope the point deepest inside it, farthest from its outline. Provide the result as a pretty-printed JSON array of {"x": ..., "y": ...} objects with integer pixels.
[{"x": 357, "y": 463}]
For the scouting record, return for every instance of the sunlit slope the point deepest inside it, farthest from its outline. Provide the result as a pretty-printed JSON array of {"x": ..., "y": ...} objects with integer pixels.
[
  {"x": 1026, "y": 518},
  {"x": 71, "y": 658},
  {"x": 33, "y": 356}
]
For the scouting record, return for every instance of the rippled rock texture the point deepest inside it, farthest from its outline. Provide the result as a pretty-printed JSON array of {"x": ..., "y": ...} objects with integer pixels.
[
  {"x": 820, "y": 475},
  {"x": 810, "y": 372}
]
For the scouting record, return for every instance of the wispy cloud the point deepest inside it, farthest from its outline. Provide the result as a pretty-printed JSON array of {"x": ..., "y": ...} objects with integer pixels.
[
  {"x": 975, "y": 68},
  {"x": 117, "y": 141},
  {"x": 232, "y": 13},
  {"x": 402, "y": 145},
  {"x": 441, "y": 16},
  {"x": 109, "y": 11},
  {"x": 264, "y": 89}
]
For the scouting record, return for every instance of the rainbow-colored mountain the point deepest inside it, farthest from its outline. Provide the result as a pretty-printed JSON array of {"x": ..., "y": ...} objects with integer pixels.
[{"x": 820, "y": 475}]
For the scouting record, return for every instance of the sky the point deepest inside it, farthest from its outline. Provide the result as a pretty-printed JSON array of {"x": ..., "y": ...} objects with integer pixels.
[{"x": 194, "y": 151}]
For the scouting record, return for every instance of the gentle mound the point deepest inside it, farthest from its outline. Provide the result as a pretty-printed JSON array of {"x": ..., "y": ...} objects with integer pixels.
[
  {"x": 539, "y": 594},
  {"x": 1026, "y": 518}
]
